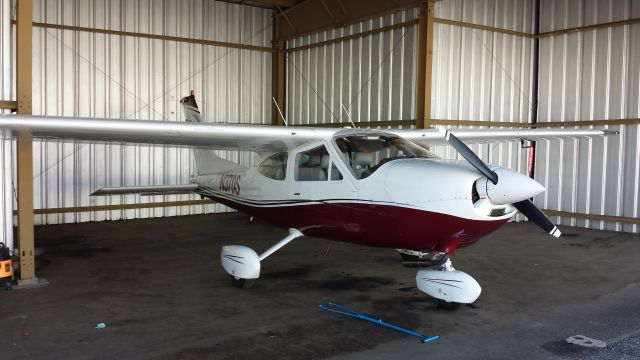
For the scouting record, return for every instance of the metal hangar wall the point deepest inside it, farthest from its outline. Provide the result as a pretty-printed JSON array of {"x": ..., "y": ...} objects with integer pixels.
[
  {"x": 591, "y": 78},
  {"x": 135, "y": 60}
]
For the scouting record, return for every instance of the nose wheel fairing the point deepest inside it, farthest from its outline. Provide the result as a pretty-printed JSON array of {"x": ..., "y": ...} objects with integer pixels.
[{"x": 447, "y": 284}]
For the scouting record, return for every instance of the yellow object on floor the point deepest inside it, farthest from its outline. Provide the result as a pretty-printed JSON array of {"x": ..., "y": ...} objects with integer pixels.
[{"x": 6, "y": 270}]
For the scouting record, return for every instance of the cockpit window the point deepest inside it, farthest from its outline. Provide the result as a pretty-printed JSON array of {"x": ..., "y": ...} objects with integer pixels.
[
  {"x": 367, "y": 153},
  {"x": 275, "y": 166},
  {"x": 312, "y": 165}
]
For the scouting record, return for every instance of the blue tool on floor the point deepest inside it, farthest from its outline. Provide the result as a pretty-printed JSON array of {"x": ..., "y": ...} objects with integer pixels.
[{"x": 339, "y": 309}]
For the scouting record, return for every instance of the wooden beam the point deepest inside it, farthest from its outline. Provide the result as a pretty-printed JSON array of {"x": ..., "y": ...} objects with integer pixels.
[
  {"x": 610, "y": 218},
  {"x": 286, "y": 18},
  {"x": 153, "y": 36},
  {"x": 500, "y": 124},
  {"x": 278, "y": 77},
  {"x": 422, "y": 66},
  {"x": 553, "y": 124},
  {"x": 602, "y": 122},
  {"x": 354, "y": 36},
  {"x": 313, "y": 15},
  {"x": 116, "y": 207},
  {"x": 482, "y": 27},
  {"x": 589, "y": 27},
  {"x": 541, "y": 35},
  {"x": 425, "y": 56},
  {"x": 324, "y": 4},
  {"x": 25, "y": 207},
  {"x": 24, "y": 42},
  {"x": 429, "y": 70},
  {"x": 24, "y": 46},
  {"x": 480, "y": 123},
  {"x": 274, "y": 3},
  {"x": 9, "y": 105}
]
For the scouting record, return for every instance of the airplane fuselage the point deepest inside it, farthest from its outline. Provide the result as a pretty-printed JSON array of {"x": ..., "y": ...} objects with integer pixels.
[{"x": 417, "y": 203}]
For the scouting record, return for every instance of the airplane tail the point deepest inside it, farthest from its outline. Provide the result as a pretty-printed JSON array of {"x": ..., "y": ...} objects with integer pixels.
[
  {"x": 190, "y": 108},
  {"x": 207, "y": 162}
]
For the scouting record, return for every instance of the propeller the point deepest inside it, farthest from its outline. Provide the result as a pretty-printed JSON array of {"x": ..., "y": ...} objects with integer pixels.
[
  {"x": 469, "y": 155},
  {"x": 528, "y": 209},
  {"x": 514, "y": 186}
]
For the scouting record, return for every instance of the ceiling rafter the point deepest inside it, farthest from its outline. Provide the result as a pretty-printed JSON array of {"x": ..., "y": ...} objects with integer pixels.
[{"x": 316, "y": 15}]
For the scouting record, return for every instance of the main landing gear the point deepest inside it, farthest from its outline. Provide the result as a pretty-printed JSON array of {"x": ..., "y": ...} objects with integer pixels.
[
  {"x": 451, "y": 287},
  {"x": 243, "y": 263}
]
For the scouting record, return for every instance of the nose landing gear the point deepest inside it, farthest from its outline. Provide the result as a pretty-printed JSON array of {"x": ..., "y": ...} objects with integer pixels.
[
  {"x": 413, "y": 258},
  {"x": 439, "y": 279}
]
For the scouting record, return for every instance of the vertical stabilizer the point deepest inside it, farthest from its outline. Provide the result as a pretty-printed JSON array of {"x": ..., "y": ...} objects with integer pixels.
[
  {"x": 207, "y": 162},
  {"x": 190, "y": 108}
]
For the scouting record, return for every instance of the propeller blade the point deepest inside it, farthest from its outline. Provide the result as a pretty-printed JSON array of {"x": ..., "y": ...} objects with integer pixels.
[
  {"x": 468, "y": 154},
  {"x": 528, "y": 209}
]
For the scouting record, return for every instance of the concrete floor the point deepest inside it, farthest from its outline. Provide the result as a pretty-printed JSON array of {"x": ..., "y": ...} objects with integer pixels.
[{"x": 158, "y": 286}]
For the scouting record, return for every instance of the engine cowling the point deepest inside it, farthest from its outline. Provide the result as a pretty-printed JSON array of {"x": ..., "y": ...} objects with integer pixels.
[
  {"x": 240, "y": 261},
  {"x": 448, "y": 285}
]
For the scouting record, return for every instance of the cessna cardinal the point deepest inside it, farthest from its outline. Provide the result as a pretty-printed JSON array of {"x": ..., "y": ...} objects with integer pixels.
[{"x": 348, "y": 185}]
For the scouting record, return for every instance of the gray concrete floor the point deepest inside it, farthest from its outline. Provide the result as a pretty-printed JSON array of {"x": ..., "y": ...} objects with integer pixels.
[{"x": 158, "y": 286}]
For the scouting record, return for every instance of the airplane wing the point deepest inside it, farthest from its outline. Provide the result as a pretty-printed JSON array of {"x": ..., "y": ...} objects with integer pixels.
[
  {"x": 243, "y": 137},
  {"x": 433, "y": 136},
  {"x": 205, "y": 135}
]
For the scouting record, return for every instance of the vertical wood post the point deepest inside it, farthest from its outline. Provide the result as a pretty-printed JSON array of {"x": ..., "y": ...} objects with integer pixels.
[
  {"x": 278, "y": 75},
  {"x": 24, "y": 46},
  {"x": 425, "y": 59}
]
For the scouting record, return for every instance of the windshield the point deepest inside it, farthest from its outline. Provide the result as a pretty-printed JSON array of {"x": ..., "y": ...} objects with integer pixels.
[{"x": 364, "y": 154}]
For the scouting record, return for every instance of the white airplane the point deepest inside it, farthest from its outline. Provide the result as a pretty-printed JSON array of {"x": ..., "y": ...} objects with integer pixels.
[{"x": 369, "y": 187}]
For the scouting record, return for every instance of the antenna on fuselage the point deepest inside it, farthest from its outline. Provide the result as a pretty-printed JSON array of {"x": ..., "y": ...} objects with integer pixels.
[
  {"x": 348, "y": 116},
  {"x": 279, "y": 111}
]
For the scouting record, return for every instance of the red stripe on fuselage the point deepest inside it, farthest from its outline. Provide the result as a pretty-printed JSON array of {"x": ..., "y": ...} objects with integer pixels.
[{"x": 379, "y": 225}]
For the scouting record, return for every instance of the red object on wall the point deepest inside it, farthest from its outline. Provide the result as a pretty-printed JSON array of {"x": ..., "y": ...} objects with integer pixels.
[{"x": 530, "y": 154}]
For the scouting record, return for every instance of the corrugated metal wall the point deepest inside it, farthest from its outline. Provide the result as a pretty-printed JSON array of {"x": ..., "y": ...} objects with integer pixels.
[
  {"x": 591, "y": 75},
  {"x": 372, "y": 76},
  {"x": 484, "y": 75},
  {"x": 96, "y": 75},
  {"x": 6, "y": 148}
]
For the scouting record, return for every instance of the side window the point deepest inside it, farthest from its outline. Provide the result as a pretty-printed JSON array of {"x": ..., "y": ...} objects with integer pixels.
[
  {"x": 275, "y": 166},
  {"x": 335, "y": 173},
  {"x": 312, "y": 165}
]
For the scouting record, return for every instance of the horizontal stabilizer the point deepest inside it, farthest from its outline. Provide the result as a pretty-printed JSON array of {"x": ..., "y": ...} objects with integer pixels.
[{"x": 147, "y": 190}]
